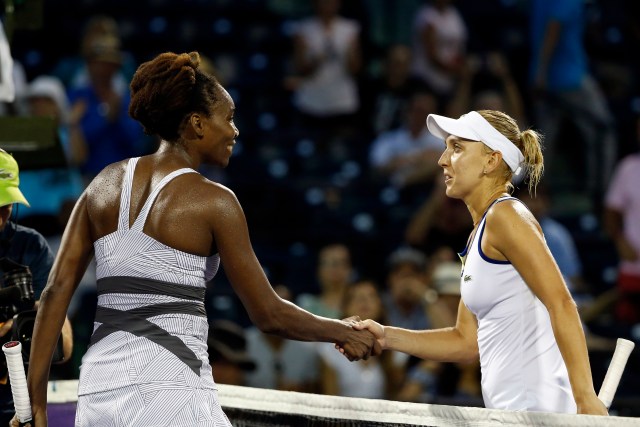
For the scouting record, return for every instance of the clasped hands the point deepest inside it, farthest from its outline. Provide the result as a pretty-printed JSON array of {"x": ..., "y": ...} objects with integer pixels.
[{"x": 364, "y": 340}]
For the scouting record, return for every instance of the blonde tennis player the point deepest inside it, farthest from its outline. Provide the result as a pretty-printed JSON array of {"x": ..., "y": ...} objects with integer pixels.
[{"x": 516, "y": 313}]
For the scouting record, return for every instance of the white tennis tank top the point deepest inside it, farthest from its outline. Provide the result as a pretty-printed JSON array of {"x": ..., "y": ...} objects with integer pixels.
[
  {"x": 151, "y": 326},
  {"x": 522, "y": 368}
]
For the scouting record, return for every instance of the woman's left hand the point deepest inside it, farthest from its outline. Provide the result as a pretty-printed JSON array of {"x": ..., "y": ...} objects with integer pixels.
[{"x": 592, "y": 406}]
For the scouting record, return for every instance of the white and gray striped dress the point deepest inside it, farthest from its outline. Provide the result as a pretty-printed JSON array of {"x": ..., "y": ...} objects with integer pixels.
[{"x": 147, "y": 362}]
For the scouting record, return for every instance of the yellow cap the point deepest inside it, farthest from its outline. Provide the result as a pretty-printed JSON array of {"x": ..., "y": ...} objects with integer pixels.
[{"x": 9, "y": 181}]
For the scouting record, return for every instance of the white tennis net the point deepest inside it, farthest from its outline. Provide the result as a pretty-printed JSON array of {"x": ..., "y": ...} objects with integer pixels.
[{"x": 255, "y": 407}]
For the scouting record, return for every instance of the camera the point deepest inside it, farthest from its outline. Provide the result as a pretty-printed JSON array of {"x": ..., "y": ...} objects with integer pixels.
[
  {"x": 16, "y": 295},
  {"x": 17, "y": 302}
]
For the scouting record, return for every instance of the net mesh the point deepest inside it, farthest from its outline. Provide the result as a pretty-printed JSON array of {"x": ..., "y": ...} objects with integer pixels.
[{"x": 246, "y": 406}]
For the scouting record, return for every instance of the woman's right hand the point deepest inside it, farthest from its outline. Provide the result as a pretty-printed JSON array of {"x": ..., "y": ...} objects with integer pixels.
[
  {"x": 359, "y": 344},
  {"x": 375, "y": 328},
  {"x": 39, "y": 419}
]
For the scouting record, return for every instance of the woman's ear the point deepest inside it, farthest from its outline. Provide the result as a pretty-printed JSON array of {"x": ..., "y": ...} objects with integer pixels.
[
  {"x": 196, "y": 122},
  {"x": 494, "y": 159}
]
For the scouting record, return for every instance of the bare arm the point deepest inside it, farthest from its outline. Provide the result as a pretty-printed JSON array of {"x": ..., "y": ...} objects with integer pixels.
[
  {"x": 613, "y": 225},
  {"x": 549, "y": 43},
  {"x": 77, "y": 144},
  {"x": 304, "y": 64},
  {"x": 67, "y": 340},
  {"x": 430, "y": 43},
  {"x": 460, "y": 103},
  {"x": 455, "y": 344},
  {"x": 423, "y": 220},
  {"x": 269, "y": 312},
  {"x": 354, "y": 56},
  {"x": 499, "y": 66},
  {"x": 70, "y": 264},
  {"x": 521, "y": 242}
]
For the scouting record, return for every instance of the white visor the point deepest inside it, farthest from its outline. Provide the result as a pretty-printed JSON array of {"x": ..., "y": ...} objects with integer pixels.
[{"x": 474, "y": 127}]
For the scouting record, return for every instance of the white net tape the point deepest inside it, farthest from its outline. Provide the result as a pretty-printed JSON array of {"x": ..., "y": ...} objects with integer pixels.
[{"x": 378, "y": 411}]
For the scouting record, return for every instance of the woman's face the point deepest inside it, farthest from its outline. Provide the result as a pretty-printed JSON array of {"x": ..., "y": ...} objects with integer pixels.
[
  {"x": 5, "y": 214},
  {"x": 462, "y": 162},
  {"x": 221, "y": 130},
  {"x": 334, "y": 267}
]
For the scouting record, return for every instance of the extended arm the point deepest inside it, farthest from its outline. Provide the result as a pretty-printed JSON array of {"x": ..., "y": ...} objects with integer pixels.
[
  {"x": 423, "y": 220},
  {"x": 455, "y": 344},
  {"x": 267, "y": 310},
  {"x": 71, "y": 262}
]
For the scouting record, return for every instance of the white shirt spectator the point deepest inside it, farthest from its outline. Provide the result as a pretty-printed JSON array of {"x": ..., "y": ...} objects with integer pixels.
[
  {"x": 330, "y": 89},
  {"x": 400, "y": 143},
  {"x": 451, "y": 37}
]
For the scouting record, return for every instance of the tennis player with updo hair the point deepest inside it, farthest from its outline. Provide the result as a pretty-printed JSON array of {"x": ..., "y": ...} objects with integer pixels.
[
  {"x": 159, "y": 230},
  {"x": 516, "y": 313}
]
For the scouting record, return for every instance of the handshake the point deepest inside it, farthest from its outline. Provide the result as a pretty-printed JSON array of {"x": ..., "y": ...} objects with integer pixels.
[{"x": 364, "y": 339}]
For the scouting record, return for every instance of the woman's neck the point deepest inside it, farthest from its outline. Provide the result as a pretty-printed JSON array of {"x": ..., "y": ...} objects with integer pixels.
[
  {"x": 478, "y": 205},
  {"x": 178, "y": 153}
]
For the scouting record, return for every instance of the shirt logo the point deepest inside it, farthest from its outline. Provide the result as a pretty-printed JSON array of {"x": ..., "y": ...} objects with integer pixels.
[
  {"x": 467, "y": 278},
  {"x": 5, "y": 174}
]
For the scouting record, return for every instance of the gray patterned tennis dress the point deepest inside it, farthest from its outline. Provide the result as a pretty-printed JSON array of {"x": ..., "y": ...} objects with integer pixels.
[{"x": 147, "y": 362}]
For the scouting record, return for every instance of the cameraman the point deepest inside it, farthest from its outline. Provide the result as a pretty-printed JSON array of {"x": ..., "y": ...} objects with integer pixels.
[{"x": 28, "y": 250}]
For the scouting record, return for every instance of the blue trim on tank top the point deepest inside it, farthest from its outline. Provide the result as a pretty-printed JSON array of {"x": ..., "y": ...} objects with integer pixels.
[
  {"x": 482, "y": 254},
  {"x": 464, "y": 252},
  {"x": 484, "y": 223}
]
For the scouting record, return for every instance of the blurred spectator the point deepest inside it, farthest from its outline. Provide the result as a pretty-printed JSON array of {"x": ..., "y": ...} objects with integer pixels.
[
  {"x": 228, "y": 355},
  {"x": 444, "y": 294},
  {"x": 7, "y": 88},
  {"x": 622, "y": 223},
  {"x": 13, "y": 80},
  {"x": 55, "y": 189},
  {"x": 282, "y": 364},
  {"x": 20, "y": 244},
  {"x": 407, "y": 283},
  {"x": 440, "y": 38},
  {"x": 334, "y": 273},
  {"x": 565, "y": 89},
  {"x": 389, "y": 94},
  {"x": 102, "y": 111},
  {"x": 441, "y": 223},
  {"x": 409, "y": 155},
  {"x": 327, "y": 56},
  {"x": 26, "y": 263},
  {"x": 486, "y": 83},
  {"x": 374, "y": 378},
  {"x": 72, "y": 70}
]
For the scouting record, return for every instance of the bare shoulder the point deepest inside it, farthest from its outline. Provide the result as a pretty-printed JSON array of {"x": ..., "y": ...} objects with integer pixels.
[
  {"x": 215, "y": 191},
  {"x": 511, "y": 216},
  {"x": 107, "y": 184},
  {"x": 212, "y": 196}
]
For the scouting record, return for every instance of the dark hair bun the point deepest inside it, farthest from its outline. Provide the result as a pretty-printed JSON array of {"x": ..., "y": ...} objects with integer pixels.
[{"x": 165, "y": 89}]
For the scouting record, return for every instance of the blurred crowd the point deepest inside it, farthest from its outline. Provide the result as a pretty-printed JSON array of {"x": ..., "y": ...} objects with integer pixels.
[{"x": 337, "y": 171}]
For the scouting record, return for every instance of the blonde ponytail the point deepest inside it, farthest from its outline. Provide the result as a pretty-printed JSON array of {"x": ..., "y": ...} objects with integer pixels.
[
  {"x": 531, "y": 148},
  {"x": 527, "y": 141}
]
